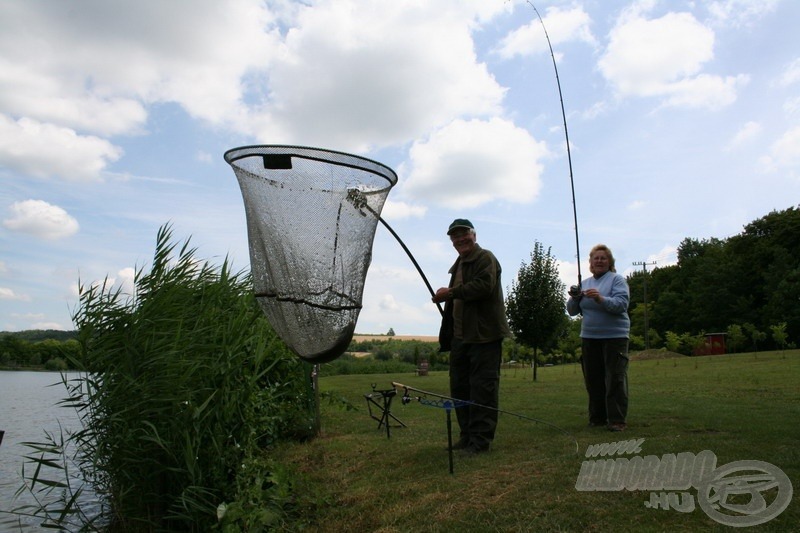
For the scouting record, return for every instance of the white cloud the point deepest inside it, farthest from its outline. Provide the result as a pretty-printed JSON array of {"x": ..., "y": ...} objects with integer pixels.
[
  {"x": 101, "y": 61},
  {"x": 32, "y": 90},
  {"x": 563, "y": 25},
  {"x": 10, "y": 294},
  {"x": 50, "y": 325},
  {"x": 784, "y": 153},
  {"x": 595, "y": 110},
  {"x": 703, "y": 91},
  {"x": 643, "y": 55},
  {"x": 668, "y": 255},
  {"x": 792, "y": 105},
  {"x": 126, "y": 280},
  {"x": 47, "y": 151},
  {"x": 739, "y": 13},
  {"x": 41, "y": 219},
  {"x": 568, "y": 272},
  {"x": 470, "y": 163},
  {"x": 376, "y": 79},
  {"x": 387, "y": 311},
  {"x": 388, "y": 303},
  {"x": 636, "y": 205},
  {"x": 399, "y": 210},
  {"x": 29, "y": 316},
  {"x": 645, "y": 59},
  {"x": 791, "y": 74},
  {"x": 748, "y": 132},
  {"x": 404, "y": 275},
  {"x": 332, "y": 79}
]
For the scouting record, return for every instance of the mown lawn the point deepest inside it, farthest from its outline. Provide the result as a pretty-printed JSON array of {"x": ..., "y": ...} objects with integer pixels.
[{"x": 355, "y": 478}]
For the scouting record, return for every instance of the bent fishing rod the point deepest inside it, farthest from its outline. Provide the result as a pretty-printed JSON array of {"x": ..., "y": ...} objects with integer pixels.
[
  {"x": 358, "y": 199},
  {"x": 459, "y": 403},
  {"x": 566, "y": 135}
]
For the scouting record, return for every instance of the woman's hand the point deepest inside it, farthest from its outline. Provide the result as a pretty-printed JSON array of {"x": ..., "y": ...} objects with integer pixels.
[{"x": 594, "y": 294}]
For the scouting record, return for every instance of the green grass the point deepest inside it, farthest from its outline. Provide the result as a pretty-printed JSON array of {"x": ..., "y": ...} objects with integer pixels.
[{"x": 354, "y": 478}]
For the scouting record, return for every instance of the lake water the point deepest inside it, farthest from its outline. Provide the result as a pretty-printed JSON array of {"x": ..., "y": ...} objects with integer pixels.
[{"x": 28, "y": 408}]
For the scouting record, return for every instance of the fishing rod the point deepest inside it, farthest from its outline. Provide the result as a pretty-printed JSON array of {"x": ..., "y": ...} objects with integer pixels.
[
  {"x": 569, "y": 153},
  {"x": 455, "y": 402}
]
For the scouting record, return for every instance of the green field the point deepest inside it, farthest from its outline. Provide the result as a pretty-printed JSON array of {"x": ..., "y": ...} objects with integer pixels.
[{"x": 353, "y": 477}]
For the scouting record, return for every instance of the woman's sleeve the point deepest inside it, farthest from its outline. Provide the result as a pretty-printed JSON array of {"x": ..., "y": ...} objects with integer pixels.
[{"x": 617, "y": 302}]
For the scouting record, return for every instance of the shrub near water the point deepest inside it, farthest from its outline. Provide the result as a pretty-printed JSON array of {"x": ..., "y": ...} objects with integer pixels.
[{"x": 185, "y": 383}]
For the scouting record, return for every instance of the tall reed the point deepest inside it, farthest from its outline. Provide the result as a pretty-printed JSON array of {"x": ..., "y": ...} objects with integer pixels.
[{"x": 183, "y": 385}]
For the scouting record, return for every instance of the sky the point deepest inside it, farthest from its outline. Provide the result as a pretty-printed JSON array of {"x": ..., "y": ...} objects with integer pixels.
[{"x": 683, "y": 120}]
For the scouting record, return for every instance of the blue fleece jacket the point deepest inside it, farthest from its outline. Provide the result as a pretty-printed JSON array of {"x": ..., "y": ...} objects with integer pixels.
[{"x": 608, "y": 319}]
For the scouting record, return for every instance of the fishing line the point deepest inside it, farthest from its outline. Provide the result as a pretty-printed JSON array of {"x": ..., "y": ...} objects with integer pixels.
[
  {"x": 566, "y": 135},
  {"x": 459, "y": 403}
]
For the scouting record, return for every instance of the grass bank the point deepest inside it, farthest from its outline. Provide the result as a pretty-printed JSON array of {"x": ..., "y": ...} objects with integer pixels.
[{"x": 354, "y": 478}]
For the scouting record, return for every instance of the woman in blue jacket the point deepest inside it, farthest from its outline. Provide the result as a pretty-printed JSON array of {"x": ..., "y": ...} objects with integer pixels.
[{"x": 603, "y": 302}]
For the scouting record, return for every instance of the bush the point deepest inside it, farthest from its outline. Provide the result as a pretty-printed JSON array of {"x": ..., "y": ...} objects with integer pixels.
[
  {"x": 56, "y": 364},
  {"x": 346, "y": 366}
]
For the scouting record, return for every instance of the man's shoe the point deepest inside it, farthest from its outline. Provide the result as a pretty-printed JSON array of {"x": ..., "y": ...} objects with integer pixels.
[
  {"x": 617, "y": 426},
  {"x": 473, "y": 449},
  {"x": 459, "y": 445}
]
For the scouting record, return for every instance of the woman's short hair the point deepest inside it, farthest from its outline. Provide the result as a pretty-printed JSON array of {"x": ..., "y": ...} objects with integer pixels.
[{"x": 607, "y": 250}]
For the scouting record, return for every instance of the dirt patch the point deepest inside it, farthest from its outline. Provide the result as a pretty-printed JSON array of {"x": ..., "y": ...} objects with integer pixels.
[{"x": 654, "y": 354}]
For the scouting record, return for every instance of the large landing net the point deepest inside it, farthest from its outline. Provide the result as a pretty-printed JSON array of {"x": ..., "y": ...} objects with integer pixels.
[{"x": 311, "y": 218}]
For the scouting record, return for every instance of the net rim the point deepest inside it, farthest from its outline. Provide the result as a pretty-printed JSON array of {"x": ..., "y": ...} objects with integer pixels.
[{"x": 241, "y": 152}]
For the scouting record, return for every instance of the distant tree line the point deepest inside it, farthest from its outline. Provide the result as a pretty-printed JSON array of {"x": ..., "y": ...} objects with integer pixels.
[
  {"x": 48, "y": 349},
  {"x": 406, "y": 351},
  {"x": 747, "y": 286}
]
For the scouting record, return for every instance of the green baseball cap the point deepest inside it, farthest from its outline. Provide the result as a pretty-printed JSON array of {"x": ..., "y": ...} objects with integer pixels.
[{"x": 458, "y": 224}]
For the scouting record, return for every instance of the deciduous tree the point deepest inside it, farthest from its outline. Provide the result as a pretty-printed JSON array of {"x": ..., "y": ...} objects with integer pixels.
[{"x": 536, "y": 302}]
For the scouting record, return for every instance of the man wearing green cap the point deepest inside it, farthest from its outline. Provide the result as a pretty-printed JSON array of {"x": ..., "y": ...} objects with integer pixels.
[{"x": 473, "y": 327}]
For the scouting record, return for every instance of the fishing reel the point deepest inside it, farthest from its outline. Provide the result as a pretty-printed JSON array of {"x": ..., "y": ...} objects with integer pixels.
[{"x": 574, "y": 291}]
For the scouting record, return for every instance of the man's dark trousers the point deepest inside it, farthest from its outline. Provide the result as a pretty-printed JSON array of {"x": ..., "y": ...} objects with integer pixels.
[{"x": 475, "y": 378}]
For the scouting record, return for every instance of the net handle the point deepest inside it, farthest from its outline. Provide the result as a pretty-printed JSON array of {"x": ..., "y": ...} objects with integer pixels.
[{"x": 411, "y": 256}]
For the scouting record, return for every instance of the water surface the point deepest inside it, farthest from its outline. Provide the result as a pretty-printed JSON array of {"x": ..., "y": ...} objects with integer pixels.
[{"x": 28, "y": 408}]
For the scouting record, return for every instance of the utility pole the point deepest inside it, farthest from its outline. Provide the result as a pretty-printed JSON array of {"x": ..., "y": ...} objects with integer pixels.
[{"x": 644, "y": 264}]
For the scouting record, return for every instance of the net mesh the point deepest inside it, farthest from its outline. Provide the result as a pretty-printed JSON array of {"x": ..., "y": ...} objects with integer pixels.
[{"x": 311, "y": 219}]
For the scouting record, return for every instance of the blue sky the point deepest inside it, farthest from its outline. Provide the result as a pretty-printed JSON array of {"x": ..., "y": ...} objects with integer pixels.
[{"x": 683, "y": 119}]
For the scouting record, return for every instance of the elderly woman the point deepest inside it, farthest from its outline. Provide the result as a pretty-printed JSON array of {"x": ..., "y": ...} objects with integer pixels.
[{"x": 603, "y": 302}]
